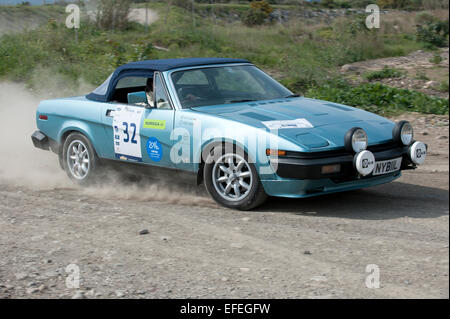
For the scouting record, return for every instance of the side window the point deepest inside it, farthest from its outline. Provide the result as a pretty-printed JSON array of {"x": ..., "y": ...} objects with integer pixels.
[
  {"x": 131, "y": 90},
  {"x": 131, "y": 82},
  {"x": 162, "y": 101}
]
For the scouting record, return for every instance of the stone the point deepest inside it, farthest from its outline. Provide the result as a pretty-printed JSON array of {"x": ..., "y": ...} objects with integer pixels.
[
  {"x": 319, "y": 278},
  {"x": 32, "y": 290},
  {"x": 78, "y": 295},
  {"x": 349, "y": 68},
  {"x": 21, "y": 276}
]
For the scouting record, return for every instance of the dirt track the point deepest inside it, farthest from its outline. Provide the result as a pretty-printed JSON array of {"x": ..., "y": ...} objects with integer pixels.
[{"x": 313, "y": 248}]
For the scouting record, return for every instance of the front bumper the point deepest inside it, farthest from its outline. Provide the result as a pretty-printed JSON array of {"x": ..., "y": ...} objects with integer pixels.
[
  {"x": 297, "y": 188},
  {"x": 308, "y": 166},
  {"x": 300, "y": 174}
]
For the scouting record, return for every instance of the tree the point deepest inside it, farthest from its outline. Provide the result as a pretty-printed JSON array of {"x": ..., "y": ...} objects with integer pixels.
[
  {"x": 395, "y": 4},
  {"x": 258, "y": 13},
  {"x": 113, "y": 14}
]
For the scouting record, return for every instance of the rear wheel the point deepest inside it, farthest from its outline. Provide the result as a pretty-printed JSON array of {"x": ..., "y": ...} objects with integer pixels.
[
  {"x": 232, "y": 180},
  {"x": 79, "y": 159}
]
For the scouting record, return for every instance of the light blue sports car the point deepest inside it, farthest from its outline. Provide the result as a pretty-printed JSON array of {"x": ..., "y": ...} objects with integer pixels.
[{"x": 227, "y": 124}]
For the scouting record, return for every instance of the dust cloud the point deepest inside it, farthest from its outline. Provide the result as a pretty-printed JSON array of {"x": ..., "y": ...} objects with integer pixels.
[{"x": 23, "y": 165}]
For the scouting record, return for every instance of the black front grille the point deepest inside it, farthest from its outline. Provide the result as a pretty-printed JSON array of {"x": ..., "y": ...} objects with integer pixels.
[{"x": 340, "y": 152}]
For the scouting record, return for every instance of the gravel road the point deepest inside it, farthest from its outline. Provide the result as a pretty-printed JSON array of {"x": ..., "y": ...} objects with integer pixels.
[{"x": 192, "y": 248}]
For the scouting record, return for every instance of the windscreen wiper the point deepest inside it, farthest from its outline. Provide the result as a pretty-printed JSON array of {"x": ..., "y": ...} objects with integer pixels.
[{"x": 291, "y": 96}]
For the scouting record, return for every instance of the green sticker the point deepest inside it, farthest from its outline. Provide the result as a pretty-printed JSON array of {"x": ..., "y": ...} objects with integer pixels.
[{"x": 155, "y": 124}]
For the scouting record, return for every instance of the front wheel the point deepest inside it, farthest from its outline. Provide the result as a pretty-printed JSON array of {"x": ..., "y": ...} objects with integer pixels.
[
  {"x": 232, "y": 180},
  {"x": 79, "y": 159}
]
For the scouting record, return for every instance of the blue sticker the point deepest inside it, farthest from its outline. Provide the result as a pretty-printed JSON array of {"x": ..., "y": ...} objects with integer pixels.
[{"x": 154, "y": 149}]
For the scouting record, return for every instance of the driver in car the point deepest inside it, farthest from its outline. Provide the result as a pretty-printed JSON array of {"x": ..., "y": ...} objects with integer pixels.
[{"x": 149, "y": 92}]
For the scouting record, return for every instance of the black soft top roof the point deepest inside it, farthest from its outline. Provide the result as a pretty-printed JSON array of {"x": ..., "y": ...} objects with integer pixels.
[
  {"x": 169, "y": 64},
  {"x": 147, "y": 68}
]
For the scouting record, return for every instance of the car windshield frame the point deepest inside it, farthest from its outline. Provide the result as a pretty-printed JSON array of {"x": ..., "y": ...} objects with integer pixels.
[{"x": 258, "y": 76}]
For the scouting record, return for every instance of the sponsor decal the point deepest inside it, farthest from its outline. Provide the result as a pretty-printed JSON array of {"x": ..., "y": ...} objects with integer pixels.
[
  {"x": 287, "y": 124},
  {"x": 420, "y": 152},
  {"x": 154, "y": 149},
  {"x": 155, "y": 124},
  {"x": 128, "y": 158}
]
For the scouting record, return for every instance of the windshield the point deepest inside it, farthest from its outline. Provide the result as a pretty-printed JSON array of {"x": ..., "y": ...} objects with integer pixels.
[{"x": 225, "y": 85}]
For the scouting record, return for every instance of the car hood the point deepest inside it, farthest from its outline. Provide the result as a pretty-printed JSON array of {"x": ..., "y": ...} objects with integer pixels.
[{"x": 325, "y": 123}]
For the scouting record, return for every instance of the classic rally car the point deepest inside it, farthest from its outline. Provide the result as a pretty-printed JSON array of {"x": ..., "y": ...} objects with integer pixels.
[{"x": 228, "y": 124}]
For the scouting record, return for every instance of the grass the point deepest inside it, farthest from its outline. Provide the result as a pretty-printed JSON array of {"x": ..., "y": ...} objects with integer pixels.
[{"x": 304, "y": 57}]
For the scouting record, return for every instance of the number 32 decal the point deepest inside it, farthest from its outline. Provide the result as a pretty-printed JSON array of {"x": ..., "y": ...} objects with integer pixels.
[
  {"x": 127, "y": 133},
  {"x": 126, "y": 125}
]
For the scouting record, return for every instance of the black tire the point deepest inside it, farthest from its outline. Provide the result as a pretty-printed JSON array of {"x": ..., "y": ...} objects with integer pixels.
[
  {"x": 92, "y": 171},
  {"x": 256, "y": 195}
]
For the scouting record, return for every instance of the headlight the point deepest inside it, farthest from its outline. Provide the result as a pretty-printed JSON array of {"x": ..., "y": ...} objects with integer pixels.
[
  {"x": 403, "y": 133},
  {"x": 406, "y": 134},
  {"x": 356, "y": 140}
]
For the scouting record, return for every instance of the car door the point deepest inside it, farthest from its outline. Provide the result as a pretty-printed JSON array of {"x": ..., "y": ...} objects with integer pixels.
[{"x": 136, "y": 133}]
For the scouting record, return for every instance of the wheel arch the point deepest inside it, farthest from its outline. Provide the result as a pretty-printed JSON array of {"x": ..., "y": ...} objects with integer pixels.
[
  {"x": 208, "y": 146},
  {"x": 64, "y": 134}
]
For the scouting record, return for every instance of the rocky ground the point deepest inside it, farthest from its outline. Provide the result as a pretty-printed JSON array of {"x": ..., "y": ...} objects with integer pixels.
[{"x": 166, "y": 241}]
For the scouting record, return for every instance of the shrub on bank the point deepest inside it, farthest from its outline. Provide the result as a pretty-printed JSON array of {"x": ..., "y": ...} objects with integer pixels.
[{"x": 381, "y": 99}]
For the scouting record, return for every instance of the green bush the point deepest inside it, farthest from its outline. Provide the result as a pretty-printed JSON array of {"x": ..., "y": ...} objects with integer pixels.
[
  {"x": 424, "y": 17},
  {"x": 395, "y": 4},
  {"x": 443, "y": 87},
  {"x": 386, "y": 73},
  {"x": 254, "y": 17},
  {"x": 257, "y": 14},
  {"x": 433, "y": 33},
  {"x": 421, "y": 75},
  {"x": 436, "y": 59},
  {"x": 381, "y": 99},
  {"x": 113, "y": 14}
]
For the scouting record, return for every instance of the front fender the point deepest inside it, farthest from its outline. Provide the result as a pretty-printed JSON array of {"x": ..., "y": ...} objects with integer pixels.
[{"x": 256, "y": 149}]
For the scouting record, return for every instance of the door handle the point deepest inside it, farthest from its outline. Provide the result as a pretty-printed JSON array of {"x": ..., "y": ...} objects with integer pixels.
[{"x": 108, "y": 113}]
